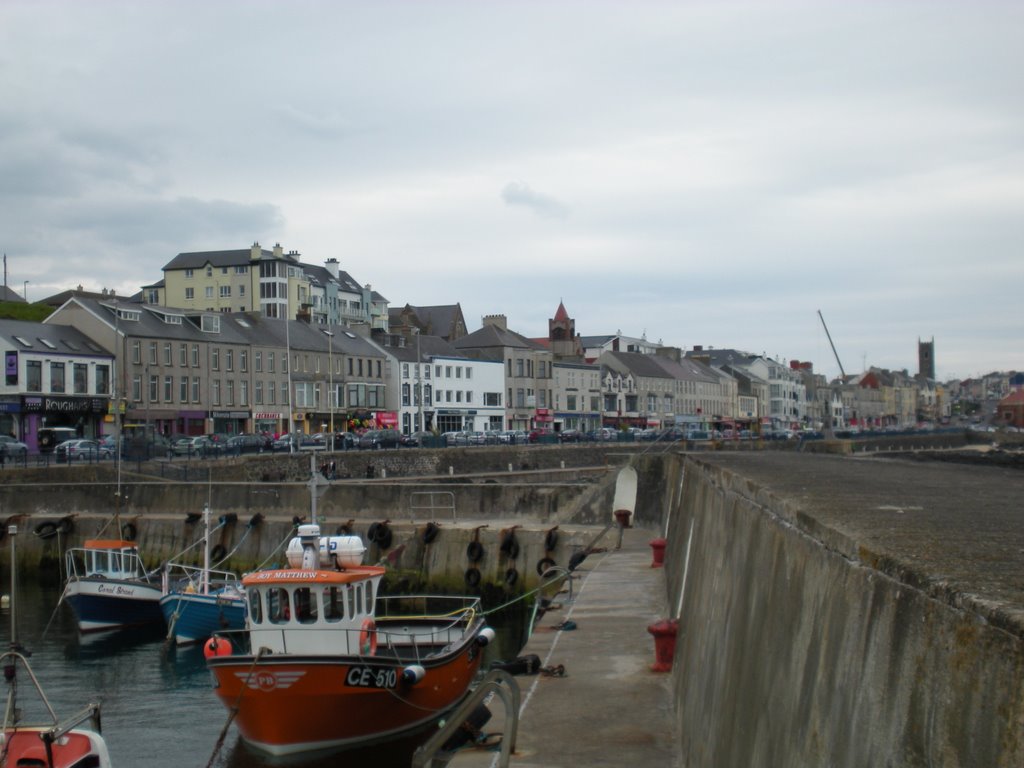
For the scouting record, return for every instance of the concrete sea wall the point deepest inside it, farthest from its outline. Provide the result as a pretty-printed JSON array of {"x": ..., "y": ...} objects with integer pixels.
[{"x": 798, "y": 646}]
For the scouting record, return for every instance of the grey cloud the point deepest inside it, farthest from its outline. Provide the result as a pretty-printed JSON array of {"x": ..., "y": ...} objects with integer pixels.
[{"x": 518, "y": 193}]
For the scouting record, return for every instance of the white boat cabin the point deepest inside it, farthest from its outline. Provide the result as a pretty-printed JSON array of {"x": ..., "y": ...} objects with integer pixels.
[{"x": 107, "y": 558}]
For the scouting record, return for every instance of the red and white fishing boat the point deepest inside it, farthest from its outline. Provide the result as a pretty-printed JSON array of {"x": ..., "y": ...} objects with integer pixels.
[
  {"x": 48, "y": 742},
  {"x": 324, "y": 663}
]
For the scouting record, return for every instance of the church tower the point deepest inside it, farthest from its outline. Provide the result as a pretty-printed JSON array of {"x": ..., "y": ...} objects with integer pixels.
[{"x": 565, "y": 344}]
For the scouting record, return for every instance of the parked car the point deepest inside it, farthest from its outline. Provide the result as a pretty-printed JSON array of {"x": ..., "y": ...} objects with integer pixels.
[
  {"x": 474, "y": 438},
  {"x": 375, "y": 439},
  {"x": 542, "y": 435},
  {"x": 246, "y": 444},
  {"x": 515, "y": 437},
  {"x": 570, "y": 436},
  {"x": 49, "y": 438},
  {"x": 198, "y": 445},
  {"x": 81, "y": 450},
  {"x": 415, "y": 439},
  {"x": 11, "y": 448}
]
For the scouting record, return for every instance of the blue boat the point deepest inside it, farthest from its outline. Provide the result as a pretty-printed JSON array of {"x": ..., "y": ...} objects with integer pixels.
[
  {"x": 108, "y": 586},
  {"x": 198, "y": 600}
]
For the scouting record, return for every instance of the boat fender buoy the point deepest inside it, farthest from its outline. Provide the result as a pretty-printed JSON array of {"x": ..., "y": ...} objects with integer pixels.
[
  {"x": 511, "y": 576},
  {"x": 66, "y": 524},
  {"x": 486, "y": 636},
  {"x": 129, "y": 531},
  {"x": 46, "y": 530},
  {"x": 472, "y": 577},
  {"x": 255, "y": 520},
  {"x": 230, "y": 517},
  {"x": 413, "y": 674},
  {"x": 371, "y": 532},
  {"x": 218, "y": 552},
  {"x": 545, "y": 565},
  {"x": 217, "y": 646},
  {"x": 475, "y": 552},
  {"x": 192, "y": 518},
  {"x": 368, "y": 638}
]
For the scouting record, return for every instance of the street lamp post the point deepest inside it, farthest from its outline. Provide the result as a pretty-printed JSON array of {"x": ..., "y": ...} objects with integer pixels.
[
  {"x": 330, "y": 367},
  {"x": 419, "y": 385},
  {"x": 288, "y": 370},
  {"x": 24, "y": 290}
]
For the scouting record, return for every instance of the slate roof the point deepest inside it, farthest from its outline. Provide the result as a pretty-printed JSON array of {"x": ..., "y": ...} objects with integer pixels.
[
  {"x": 9, "y": 294},
  {"x": 493, "y": 336},
  {"x": 198, "y": 259},
  {"x": 45, "y": 338}
]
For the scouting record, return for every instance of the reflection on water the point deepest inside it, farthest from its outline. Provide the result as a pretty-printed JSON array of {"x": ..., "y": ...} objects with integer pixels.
[{"x": 157, "y": 705}]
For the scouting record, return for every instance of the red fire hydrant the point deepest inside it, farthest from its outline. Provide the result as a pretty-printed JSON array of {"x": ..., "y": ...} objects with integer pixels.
[
  {"x": 658, "y": 551},
  {"x": 664, "y": 632}
]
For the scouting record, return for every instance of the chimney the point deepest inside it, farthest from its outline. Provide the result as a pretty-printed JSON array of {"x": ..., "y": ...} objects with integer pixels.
[
  {"x": 332, "y": 266},
  {"x": 498, "y": 321},
  {"x": 255, "y": 252},
  {"x": 278, "y": 251}
]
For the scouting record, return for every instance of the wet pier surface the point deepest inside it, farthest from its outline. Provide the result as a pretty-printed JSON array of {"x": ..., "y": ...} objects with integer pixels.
[{"x": 608, "y": 708}]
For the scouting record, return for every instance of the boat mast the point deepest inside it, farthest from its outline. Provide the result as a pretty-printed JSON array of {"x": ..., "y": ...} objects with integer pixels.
[{"x": 204, "y": 582}]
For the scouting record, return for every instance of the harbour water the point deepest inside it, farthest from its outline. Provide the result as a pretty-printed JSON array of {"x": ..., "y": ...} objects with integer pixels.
[{"x": 158, "y": 707}]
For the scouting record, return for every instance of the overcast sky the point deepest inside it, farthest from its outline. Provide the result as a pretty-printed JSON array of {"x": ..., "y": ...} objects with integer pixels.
[{"x": 700, "y": 173}]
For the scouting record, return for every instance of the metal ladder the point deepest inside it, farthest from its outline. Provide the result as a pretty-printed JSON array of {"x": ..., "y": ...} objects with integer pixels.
[{"x": 498, "y": 682}]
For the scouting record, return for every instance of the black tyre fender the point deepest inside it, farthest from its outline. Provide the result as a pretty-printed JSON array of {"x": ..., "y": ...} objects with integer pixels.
[
  {"x": 229, "y": 518},
  {"x": 543, "y": 566},
  {"x": 384, "y": 536},
  {"x": 66, "y": 524},
  {"x": 255, "y": 520},
  {"x": 472, "y": 577},
  {"x": 430, "y": 532},
  {"x": 46, "y": 529},
  {"x": 551, "y": 539},
  {"x": 217, "y": 553},
  {"x": 192, "y": 518},
  {"x": 129, "y": 532},
  {"x": 373, "y": 532},
  {"x": 510, "y": 545},
  {"x": 475, "y": 552},
  {"x": 511, "y": 577}
]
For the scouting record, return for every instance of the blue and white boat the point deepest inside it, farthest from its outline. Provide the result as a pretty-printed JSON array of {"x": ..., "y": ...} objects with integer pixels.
[
  {"x": 108, "y": 586},
  {"x": 198, "y": 600}
]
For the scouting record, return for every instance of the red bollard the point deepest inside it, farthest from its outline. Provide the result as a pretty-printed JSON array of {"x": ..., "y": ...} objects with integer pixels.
[
  {"x": 664, "y": 632},
  {"x": 622, "y": 518},
  {"x": 658, "y": 551}
]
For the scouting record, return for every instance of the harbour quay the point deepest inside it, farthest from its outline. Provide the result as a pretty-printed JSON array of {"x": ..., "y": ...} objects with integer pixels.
[{"x": 856, "y": 608}]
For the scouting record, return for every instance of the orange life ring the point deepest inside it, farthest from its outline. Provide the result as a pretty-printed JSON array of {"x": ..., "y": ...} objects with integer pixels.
[{"x": 368, "y": 638}]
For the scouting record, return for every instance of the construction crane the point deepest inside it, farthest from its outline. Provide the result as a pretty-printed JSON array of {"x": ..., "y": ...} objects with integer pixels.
[
  {"x": 831, "y": 391},
  {"x": 841, "y": 371}
]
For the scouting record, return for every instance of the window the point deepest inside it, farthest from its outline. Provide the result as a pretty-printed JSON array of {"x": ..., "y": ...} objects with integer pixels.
[
  {"x": 243, "y": 360},
  {"x": 195, "y": 389},
  {"x": 229, "y": 362},
  {"x": 257, "y": 361},
  {"x": 215, "y": 359},
  {"x": 183, "y": 389},
  {"x": 190, "y": 273},
  {"x": 80, "y": 378},
  {"x": 195, "y": 355},
  {"x": 57, "y": 383},
  {"x": 284, "y": 393},
  {"x": 168, "y": 388},
  {"x": 168, "y": 354},
  {"x": 34, "y": 374},
  {"x": 270, "y": 362},
  {"x": 209, "y": 271},
  {"x": 137, "y": 352},
  {"x": 183, "y": 355},
  {"x": 190, "y": 294},
  {"x": 405, "y": 394},
  {"x": 271, "y": 394},
  {"x": 492, "y": 399},
  {"x": 152, "y": 353},
  {"x": 209, "y": 292},
  {"x": 154, "y": 388},
  {"x": 231, "y": 392},
  {"x": 259, "y": 392},
  {"x": 225, "y": 291},
  {"x": 215, "y": 391},
  {"x": 102, "y": 379}
]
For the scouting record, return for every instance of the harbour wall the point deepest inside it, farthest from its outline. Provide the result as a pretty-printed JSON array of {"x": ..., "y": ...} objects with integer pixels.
[{"x": 822, "y": 624}]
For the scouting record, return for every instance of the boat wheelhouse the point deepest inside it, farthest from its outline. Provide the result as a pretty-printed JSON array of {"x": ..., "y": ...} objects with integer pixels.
[{"x": 108, "y": 586}]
